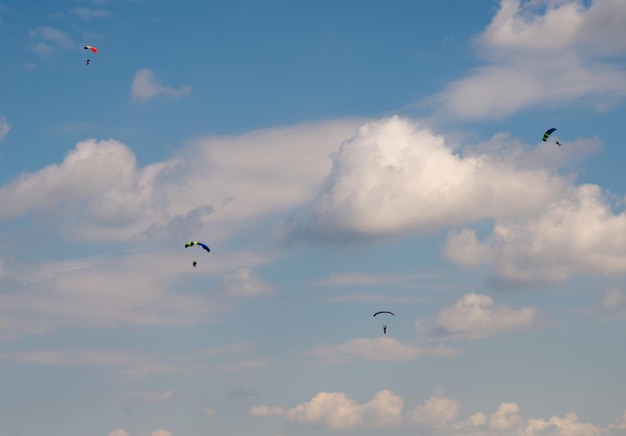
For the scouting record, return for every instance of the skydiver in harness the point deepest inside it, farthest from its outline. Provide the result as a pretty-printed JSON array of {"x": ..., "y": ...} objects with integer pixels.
[
  {"x": 194, "y": 263},
  {"x": 385, "y": 329},
  {"x": 88, "y": 61},
  {"x": 558, "y": 143}
]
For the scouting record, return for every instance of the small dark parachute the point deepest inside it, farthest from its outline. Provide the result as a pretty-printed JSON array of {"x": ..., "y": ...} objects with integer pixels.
[{"x": 384, "y": 316}]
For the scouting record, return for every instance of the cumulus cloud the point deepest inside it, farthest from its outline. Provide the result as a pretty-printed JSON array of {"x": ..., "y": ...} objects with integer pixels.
[
  {"x": 245, "y": 283},
  {"x": 339, "y": 412},
  {"x": 266, "y": 411},
  {"x": 4, "y": 128},
  {"x": 394, "y": 177},
  {"x": 146, "y": 86},
  {"x": 475, "y": 316},
  {"x": 379, "y": 349},
  {"x": 99, "y": 193},
  {"x": 542, "y": 53},
  {"x": 578, "y": 234},
  {"x": 437, "y": 416},
  {"x": 437, "y": 412}
]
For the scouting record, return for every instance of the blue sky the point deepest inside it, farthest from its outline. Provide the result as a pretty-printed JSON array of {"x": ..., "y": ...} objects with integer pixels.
[{"x": 340, "y": 158}]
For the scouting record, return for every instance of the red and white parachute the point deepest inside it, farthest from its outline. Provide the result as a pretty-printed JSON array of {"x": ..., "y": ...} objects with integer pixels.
[{"x": 92, "y": 48}]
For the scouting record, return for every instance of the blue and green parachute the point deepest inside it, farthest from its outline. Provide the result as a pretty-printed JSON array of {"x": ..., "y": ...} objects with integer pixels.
[
  {"x": 192, "y": 243},
  {"x": 547, "y": 134}
]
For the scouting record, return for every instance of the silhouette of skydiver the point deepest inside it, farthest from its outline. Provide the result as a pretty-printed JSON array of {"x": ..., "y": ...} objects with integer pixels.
[
  {"x": 385, "y": 329},
  {"x": 194, "y": 263},
  {"x": 87, "y": 62},
  {"x": 558, "y": 143}
]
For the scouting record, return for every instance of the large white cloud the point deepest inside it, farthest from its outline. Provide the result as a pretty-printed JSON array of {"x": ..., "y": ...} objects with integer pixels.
[
  {"x": 437, "y": 416},
  {"x": 335, "y": 410},
  {"x": 146, "y": 86},
  {"x": 543, "y": 53},
  {"x": 577, "y": 234},
  {"x": 395, "y": 176},
  {"x": 98, "y": 192},
  {"x": 475, "y": 316}
]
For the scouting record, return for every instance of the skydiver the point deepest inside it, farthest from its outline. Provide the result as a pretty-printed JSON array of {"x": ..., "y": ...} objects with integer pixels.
[
  {"x": 194, "y": 263},
  {"x": 558, "y": 143},
  {"x": 88, "y": 60},
  {"x": 385, "y": 329}
]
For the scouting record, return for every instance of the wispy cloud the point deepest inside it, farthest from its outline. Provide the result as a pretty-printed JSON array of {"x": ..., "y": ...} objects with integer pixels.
[
  {"x": 4, "y": 128},
  {"x": 123, "y": 362},
  {"x": 90, "y": 13},
  {"x": 367, "y": 279},
  {"x": 49, "y": 40},
  {"x": 147, "y": 86},
  {"x": 380, "y": 349}
]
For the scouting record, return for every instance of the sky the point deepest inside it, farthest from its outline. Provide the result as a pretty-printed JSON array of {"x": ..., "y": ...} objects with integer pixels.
[{"x": 340, "y": 158}]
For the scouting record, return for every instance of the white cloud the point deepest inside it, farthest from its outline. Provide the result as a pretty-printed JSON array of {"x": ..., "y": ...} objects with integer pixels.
[
  {"x": 474, "y": 316},
  {"x": 146, "y": 86},
  {"x": 543, "y": 53},
  {"x": 437, "y": 412},
  {"x": 437, "y": 416},
  {"x": 578, "y": 234},
  {"x": 215, "y": 185},
  {"x": 266, "y": 411},
  {"x": 4, "y": 128},
  {"x": 50, "y": 40},
  {"x": 338, "y": 412},
  {"x": 379, "y": 349},
  {"x": 395, "y": 177},
  {"x": 245, "y": 283}
]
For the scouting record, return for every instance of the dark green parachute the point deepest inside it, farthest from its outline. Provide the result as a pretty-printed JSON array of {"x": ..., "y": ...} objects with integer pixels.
[{"x": 547, "y": 134}]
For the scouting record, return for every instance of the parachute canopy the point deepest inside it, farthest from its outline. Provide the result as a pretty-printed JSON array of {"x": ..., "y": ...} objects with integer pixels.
[
  {"x": 384, "y": 311},
  {"x": 92, "y": 48},
  {"x": 548, "y": 133},
  {"x": 191, "y": 244}
]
